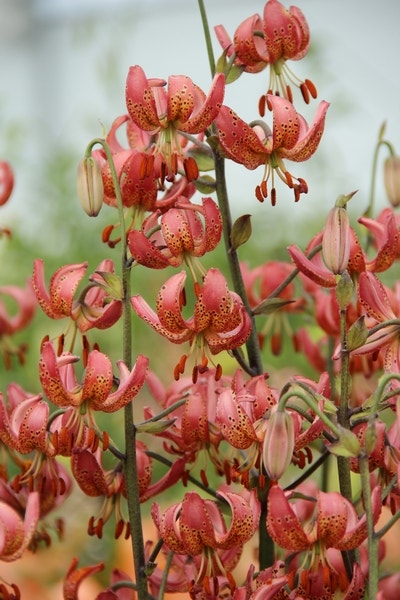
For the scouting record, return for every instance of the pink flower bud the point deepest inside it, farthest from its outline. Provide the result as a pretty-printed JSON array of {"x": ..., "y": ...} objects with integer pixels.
[
  {"x": 6, "y": 182},
  {"x": 90, "y": 186},
  {"x": 336, "y": 240},
  {"x": 391, "y": 176},
  {"x": 278, "y": 444}
]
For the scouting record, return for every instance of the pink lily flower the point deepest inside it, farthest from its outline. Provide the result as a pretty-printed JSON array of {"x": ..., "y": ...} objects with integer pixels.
[
  {"x": 26, "y": 304},
  {"x": 17, "y": 528},
  {"x": 219, "y": 322},
  {"x": 381, "y": 305},
  {"x": 182, "y": 107},
  {"x": 291, "y": 138},
  {"x": 61, "y": 386},
  {"x": 182, "y": 236},
  {"x": 335, "y": 525},
  {"x": 280, "y": 35},
  {"x": 23, "y": 421},
  {"x": 56, "y": 302},
  {"x": 197, "y": 527},
  {"x": 6, "y": 181}
]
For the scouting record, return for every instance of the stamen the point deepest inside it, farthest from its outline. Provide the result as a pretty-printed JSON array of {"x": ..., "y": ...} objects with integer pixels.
[
  {"x": 261, "y": 105},
  {"x": 119, "y": 527},
  {"x": 60, "y": 344},
  {"x": 311, "y": 88},
  {"x": 191, "y": 168},
  {"x": 305, "y": 93},
  {"x": 273, "y": 197}
]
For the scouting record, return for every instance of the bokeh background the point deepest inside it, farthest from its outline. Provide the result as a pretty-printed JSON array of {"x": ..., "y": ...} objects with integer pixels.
[{"x": 63, "y": 65}]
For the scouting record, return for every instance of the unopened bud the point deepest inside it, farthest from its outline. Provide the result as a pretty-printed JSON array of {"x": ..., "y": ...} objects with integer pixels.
[
  {"x": 344, "y": 290},
  {"x": 357, "y": 334},
  {"x": 278, "y": 444},
  {"x": 348, "y": 444},
  {"x": 336, "y": 240},
  {"x": 90, "y": 186},
  {"x": 6, "y": 181},
  {"x": 391, "y": 177},
  {"x": 155, "y": 427}
]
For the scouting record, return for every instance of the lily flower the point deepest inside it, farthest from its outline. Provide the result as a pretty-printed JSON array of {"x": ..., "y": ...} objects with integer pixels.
[
  {"x": 178, "y": 235},
  {"x": 280, "y": 35},
  {"x": 61, "y": 386},
  {"x": 219, "y": 322},
  {"x": 95, "y": 393},
  {"x": 23, "y": 421},
  {"x": 182, "y": 107},
  {"x": 382, "y": 306},
  {"x": 334, "y": 524},
  {"x": 26, "y": 304},
  {"x": 17, "y": 528},
  {"x": 255, "y": 144},
  {"x": 6, "y": 181},
  {"x": 197, "y": 527}
]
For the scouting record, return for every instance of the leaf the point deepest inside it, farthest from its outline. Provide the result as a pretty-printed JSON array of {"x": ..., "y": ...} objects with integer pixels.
[{"x": 241, "y": 231}]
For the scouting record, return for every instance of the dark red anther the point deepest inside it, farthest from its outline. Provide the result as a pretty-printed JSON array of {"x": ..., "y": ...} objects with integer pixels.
[
  {"x": 311, "y": 88},
  {"x": 305, "y": 93}
]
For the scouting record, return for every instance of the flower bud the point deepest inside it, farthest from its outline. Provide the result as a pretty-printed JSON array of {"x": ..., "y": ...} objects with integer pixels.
[
  {"x": 336, "y": 240},
  {"x": 348, "y": 444},
  {"x": 90, "y": 186},
  {"x": 6, "y": 181},
  {"x": 391, "y": 177},
  {"x": 357, "y": 335},
  {"x": 278, "y": 444},
  {"x": 344, "y": 290}
]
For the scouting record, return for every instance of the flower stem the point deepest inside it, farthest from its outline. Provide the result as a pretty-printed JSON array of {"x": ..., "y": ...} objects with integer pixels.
[
  {"x": 131, "y": 472},
  {"x": 207, "y": 36},
  {"x": 252, "y": 345},
  {"x": 373, "y": 539}
]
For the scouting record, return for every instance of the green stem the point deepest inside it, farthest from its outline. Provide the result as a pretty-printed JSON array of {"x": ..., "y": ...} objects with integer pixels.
[
  {"x": 131, "y": 472},
  {"x": 381, "y": 142},
  {"x": 372, "y": 539},
  {"x": 252, "y": 345},
  {"x": 207, "y": 36},
  {"x": 343, "y": 463}
]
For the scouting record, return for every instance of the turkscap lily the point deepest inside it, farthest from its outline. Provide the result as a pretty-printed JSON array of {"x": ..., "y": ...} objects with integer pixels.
[
  {"x": 253, "y": 145},
  {"x": 184, "y": 232},
  {"x": 166, "y": 111},
  {"x": 219, "y": 322},
  {"x": 271, "y": 40},
  {"x": 196, "y": 526}
]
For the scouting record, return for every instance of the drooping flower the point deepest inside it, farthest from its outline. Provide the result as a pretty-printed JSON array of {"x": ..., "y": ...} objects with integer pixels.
[
  {"x": 382, "y": 306},
  {"x": 181, "y": 107},
  {"x": 95, "y": 393},
  {"x": 280, "y": 35},
  {"x": 334, "y": 523},
  {"x": 15, "y": 320},
  {"x": 255, "y": 145},
  {"x": 6, "y": 181},
  {"x": 219, "y": 322},
  {"x": 197, "y": 527},
  {"x": 17, "y": 528},
  {"x": 178, "y": 235}
]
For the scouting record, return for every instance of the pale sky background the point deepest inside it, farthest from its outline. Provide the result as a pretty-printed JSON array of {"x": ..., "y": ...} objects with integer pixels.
[{"x": 63, "y": 65}]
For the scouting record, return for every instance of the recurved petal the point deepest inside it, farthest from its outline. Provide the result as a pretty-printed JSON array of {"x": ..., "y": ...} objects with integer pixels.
[
  {"x": 182, "y": 95},
  {"x": 58, "y": 303},
  {"x": 244, "y": 520},
  {"x": 130, "y": 382},
  {"x": 373, "y": 297},
  {"x": 199, "y": 522},
  {"x": 205, "y": 112},
  {"x": 309, "y": 137},
  {"x": 319, "y": 275},
  {"x": 88, "y": 473},
  {"x": 140, "y": 100},
  {"x": 250, "y": 48},
  {"x": 98, "y": 380},
  {"x": 357, "y": 530},
  {"x": 166, "y": 523},
  {"x": 170, "y": 300},
  {"x": 282, "y": 523},
  {"x": 51, "y": 381},
  {"x": 333, "y": 511},
  {"x": 239, "y": 141}
]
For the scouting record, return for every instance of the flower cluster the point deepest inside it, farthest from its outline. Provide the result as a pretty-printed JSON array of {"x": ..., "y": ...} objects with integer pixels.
[{"x": 252, "y": 451}]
